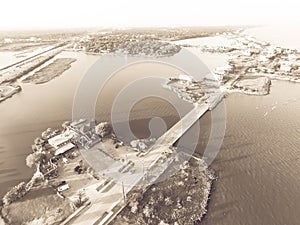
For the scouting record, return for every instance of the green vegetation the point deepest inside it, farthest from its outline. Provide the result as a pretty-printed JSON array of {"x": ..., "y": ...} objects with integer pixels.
[{"x": 180, "y": 199}]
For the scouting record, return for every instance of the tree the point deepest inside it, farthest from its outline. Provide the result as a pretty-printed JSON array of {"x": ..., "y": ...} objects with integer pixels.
[
  {"x": 65, "y": 125},
  {"x": 81, "y": 198},
  {"x": 103, "y": 129},
  {"x": 34, "y": 159},
  {"x": 45, "y": 134},
  {"x": 39, "y": 141}
]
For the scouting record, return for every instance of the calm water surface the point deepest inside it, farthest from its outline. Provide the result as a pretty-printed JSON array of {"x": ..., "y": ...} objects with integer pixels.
[{"x": 258, "y": 166}]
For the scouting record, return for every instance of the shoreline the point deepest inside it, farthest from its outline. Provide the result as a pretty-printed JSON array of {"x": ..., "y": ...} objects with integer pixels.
[
  {"x": 208, "y": 185},
  {"x": 12, "y": 75},
  {"x": 138, "y": 200}
]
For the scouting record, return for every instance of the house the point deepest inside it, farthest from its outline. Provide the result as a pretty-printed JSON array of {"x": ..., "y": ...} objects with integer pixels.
[
  {"x": 84, "y": 133},
  {"x": 263, "y": 58},
  {"x": 185, "y": 77},
  {"x": 64, "y": 149},
  {"x": 60, "y": 140},
  {"x": 286, "y": 67},
  {"x": 62, "y": 143}
]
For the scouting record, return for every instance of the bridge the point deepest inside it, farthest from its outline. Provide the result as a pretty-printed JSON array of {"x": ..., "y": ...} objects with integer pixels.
[{"x": 182, "y": 126}]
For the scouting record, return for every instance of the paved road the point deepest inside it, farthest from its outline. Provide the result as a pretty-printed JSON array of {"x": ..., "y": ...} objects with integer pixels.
[{"x": 175, "y": 132}]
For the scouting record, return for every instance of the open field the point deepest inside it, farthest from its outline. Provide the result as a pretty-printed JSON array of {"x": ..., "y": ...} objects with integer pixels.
[{"x": 42, "y": 206}]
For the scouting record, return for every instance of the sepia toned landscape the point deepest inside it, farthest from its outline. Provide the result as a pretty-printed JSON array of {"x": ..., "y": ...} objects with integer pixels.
[{"x": 175, "y": 123}]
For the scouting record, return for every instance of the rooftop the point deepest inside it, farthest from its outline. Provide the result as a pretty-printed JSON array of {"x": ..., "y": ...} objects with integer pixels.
[
  {"x": 64, "y": 148},
  {"x": 60, "y": 139}
]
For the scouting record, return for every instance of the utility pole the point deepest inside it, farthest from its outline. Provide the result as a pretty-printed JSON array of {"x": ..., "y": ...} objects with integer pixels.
[
  {"x": 143, "y": 170},
  {"x": 124, "y": 195}
]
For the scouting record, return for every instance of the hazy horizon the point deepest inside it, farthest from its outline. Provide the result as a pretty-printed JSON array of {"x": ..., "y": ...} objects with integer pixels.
[{"x": 55, "y": 14}]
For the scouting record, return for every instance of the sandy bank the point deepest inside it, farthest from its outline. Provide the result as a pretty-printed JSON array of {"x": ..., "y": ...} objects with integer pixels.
[{"x": 7, "y": 91}]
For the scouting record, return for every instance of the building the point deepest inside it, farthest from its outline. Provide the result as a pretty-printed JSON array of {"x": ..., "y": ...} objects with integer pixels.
[
  {"x": 84, "y": 133},
  {"x": 286, "y": 67},
  {"x": 62, "y": 143},
  {"x": 79, "y": 133}
]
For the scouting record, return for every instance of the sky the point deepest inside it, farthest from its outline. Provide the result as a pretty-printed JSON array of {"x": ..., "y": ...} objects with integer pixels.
[{"x": 27, "y": 14}]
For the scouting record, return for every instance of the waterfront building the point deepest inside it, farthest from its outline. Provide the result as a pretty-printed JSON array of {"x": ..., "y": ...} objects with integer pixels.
[{"x": 62, "y": 143}]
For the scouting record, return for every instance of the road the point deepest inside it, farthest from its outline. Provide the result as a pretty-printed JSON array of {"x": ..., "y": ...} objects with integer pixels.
[{"x": 35, "y": 54}]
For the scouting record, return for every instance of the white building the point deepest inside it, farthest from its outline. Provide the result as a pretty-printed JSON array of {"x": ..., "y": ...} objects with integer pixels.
[
  {"x": 62, "y": 143},
  {"x": 285, "y": 67}
]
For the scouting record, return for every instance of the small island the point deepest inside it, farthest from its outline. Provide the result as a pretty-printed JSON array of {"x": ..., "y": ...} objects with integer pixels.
[
  {"x": 49, "y": 72},
  {"x": 7, "y": 91}
]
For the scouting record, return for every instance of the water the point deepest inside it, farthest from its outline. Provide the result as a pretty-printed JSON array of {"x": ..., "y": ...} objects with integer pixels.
[
  {"x": 284, "y": 36},
  {"x": 28, "y": 113},
  {"x": 37, "y": 107},
  {"x": 214, "y": 41},
  {"x": 258, "y": 166},
  {"x": 7, "y": 58}
]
